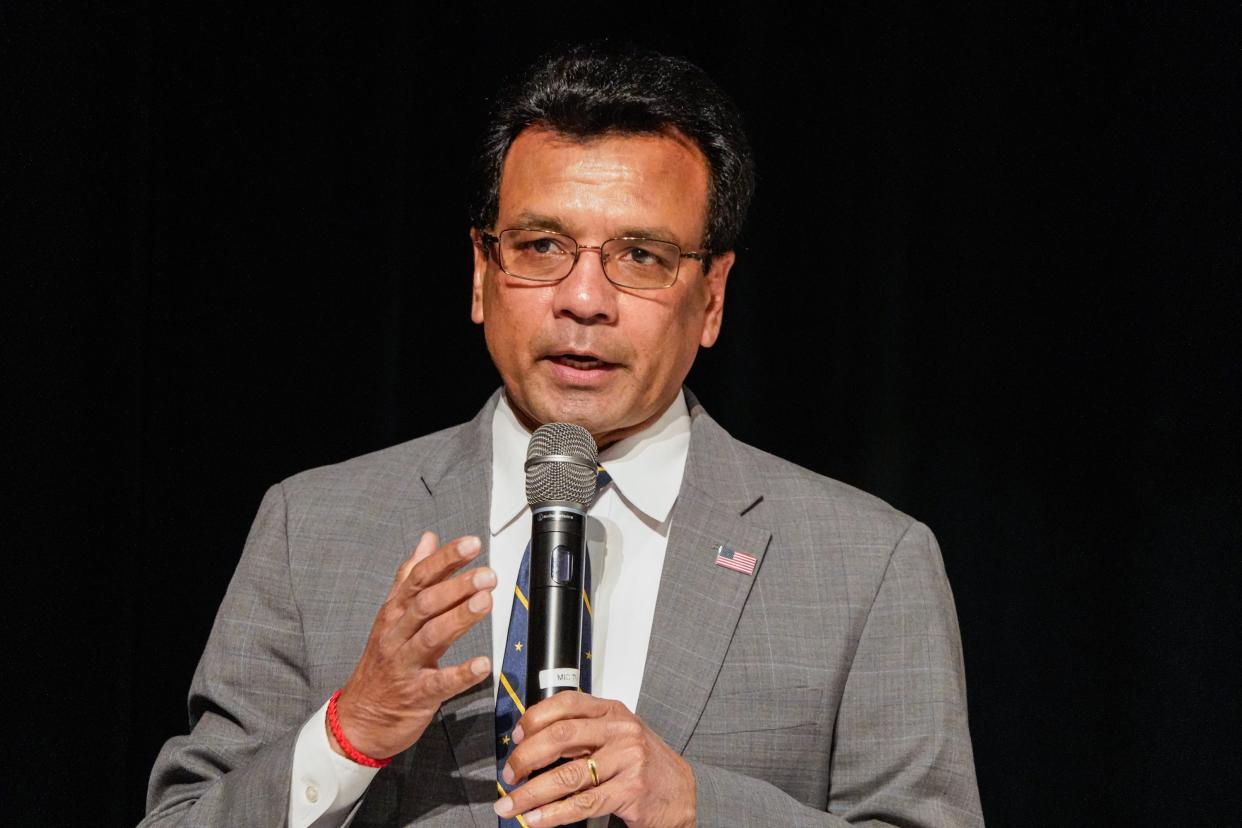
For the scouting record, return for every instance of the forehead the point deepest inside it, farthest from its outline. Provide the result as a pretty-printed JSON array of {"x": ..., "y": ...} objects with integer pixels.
[{"x": 607, "y": 184}]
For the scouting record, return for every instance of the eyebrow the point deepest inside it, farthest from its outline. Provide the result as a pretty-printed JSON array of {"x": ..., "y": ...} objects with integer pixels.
[
  {"x": 543, "y": 221},
  {"x": 526, "y": 218},
  {"x": 658, "y": 233}
]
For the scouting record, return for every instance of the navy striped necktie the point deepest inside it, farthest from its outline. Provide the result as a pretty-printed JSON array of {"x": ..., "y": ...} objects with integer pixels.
[{"x": 510, "y": 696}]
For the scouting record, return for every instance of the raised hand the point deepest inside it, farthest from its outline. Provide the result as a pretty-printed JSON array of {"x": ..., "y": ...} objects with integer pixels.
[{"x": 398, "y": 683}]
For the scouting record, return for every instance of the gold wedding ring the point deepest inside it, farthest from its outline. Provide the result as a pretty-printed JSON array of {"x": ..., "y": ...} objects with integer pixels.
[{"x": 594, "y": 772}]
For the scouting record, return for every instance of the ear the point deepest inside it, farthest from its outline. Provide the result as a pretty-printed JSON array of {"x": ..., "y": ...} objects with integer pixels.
[
  {"x": 714, "y": 283},
  {"x": 480, "y": 273}
]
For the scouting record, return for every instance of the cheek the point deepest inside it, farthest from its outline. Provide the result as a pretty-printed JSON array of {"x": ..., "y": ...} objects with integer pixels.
[
  {"x": 511, "y": 322},
  {"x": 497, "y": 324},
  {"x": 673, "y": 342}
]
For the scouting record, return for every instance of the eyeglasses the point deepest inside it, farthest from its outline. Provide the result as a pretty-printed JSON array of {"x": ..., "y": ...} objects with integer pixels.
[{"x": 544, "y": 256}]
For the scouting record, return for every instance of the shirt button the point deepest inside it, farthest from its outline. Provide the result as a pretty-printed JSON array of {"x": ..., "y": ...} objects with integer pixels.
[{"x": 312, "y": 793}]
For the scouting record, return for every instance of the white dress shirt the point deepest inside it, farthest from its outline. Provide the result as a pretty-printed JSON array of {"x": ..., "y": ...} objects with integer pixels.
[{"x": 627, "y": 534}]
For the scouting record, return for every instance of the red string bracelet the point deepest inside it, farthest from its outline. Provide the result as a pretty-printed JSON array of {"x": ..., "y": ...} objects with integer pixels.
[{"x": 350, "y": 751}]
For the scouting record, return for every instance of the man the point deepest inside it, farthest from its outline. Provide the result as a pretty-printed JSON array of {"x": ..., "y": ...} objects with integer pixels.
[{"x": 769, "y": 646}]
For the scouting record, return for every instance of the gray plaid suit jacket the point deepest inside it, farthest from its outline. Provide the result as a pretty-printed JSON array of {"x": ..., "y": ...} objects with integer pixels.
[{"x": 825, "y": 689}]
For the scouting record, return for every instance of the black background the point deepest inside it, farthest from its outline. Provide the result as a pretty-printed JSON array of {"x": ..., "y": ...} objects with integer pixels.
[{"x": 991, "y": 275}]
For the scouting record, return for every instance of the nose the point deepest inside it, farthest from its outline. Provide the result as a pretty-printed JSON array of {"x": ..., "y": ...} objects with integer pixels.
[{"x": 586, "y": 295}]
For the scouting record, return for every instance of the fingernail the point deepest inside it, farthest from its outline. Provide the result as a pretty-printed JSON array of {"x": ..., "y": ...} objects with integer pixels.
[
  {"x": 507, "y": 775},
  {"x": 468, "y": 546},
  {"x": 533, "y": 817},
  {"x": 517, "y": 734},
  {"x": 479, "y": 602},
  {"x": 480, "y": 666},
  {"x": 483, "y": 579},
  {"x": 503, "y": 806}
]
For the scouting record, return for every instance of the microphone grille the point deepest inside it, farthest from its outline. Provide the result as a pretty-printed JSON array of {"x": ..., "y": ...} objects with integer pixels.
[{"x": 550, "y": 479}]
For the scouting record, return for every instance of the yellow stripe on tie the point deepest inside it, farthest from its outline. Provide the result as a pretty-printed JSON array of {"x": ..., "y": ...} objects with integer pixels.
[
  {"x": 509, "y": 689},
  {"x": 587, "y": 603},
  {"x": 521, "y": 597},
  {"x": 521, "y": 821}
]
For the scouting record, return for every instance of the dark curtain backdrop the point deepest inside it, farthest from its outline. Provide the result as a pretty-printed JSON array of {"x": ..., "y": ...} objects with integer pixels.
[{"x": 991, "y": 276}]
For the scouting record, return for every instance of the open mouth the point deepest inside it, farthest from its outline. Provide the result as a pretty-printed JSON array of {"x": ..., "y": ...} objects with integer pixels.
[{"x": 581, "y": 362}]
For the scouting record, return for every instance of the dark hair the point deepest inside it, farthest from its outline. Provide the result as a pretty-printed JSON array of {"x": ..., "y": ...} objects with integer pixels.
[{"x": 598, "y": 89}]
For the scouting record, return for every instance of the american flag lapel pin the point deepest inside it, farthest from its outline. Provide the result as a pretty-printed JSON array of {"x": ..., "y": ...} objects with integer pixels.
[{"x": 735, "y": 559}]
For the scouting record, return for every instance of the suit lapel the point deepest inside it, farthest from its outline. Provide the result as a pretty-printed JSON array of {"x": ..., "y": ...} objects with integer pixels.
[
  {"x": 699, "y": 602},
  {"x": 459, "y": 482}
]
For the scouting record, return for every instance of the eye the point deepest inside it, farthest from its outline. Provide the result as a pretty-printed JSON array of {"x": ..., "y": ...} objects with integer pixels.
[
  {"x": 644, "y": 255},
  {"x": 541, "y": 246}
]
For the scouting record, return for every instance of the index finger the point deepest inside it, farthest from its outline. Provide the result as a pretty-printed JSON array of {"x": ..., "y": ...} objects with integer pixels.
[{"x": 565, "y": 705}]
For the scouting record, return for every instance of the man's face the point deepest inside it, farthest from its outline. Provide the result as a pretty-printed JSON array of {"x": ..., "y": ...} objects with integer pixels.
[{"x": 582, "y": 350}]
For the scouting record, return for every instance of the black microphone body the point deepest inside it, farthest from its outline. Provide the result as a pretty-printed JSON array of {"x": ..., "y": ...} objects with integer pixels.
[
  {"x": 557, "y": 564},
  {"x": 561, "y": 468}
]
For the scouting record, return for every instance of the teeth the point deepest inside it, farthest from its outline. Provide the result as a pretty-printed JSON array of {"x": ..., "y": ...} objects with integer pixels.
[{"x": 581, "y": 361}]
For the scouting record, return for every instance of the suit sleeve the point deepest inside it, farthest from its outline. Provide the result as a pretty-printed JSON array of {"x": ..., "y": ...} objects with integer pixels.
[
  {"x": 901, "y": 753},
  {"x": 248, "y": 699}
]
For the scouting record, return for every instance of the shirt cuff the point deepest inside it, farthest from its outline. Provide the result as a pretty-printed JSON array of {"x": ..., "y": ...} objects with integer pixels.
[{"x": 325, "y": 785}]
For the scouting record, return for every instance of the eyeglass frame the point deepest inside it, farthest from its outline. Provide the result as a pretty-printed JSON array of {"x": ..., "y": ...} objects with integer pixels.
[{"x": 486, "y": 239}]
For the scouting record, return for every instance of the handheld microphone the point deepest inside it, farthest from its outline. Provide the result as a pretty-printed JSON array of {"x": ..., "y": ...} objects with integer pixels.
[{"x": 560, "y": 484}]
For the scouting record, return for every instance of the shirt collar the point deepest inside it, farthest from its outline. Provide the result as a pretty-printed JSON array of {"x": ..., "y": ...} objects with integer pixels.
[{"x": 646, "y": 468}]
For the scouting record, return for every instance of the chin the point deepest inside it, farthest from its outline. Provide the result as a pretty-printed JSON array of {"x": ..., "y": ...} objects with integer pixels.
[
  {"x": 582, "y": 413},
  {"x": 587, "y": 410}
]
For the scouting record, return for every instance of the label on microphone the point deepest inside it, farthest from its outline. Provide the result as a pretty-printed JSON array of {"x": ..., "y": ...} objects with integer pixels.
[{"x": 562, "y": 677}]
